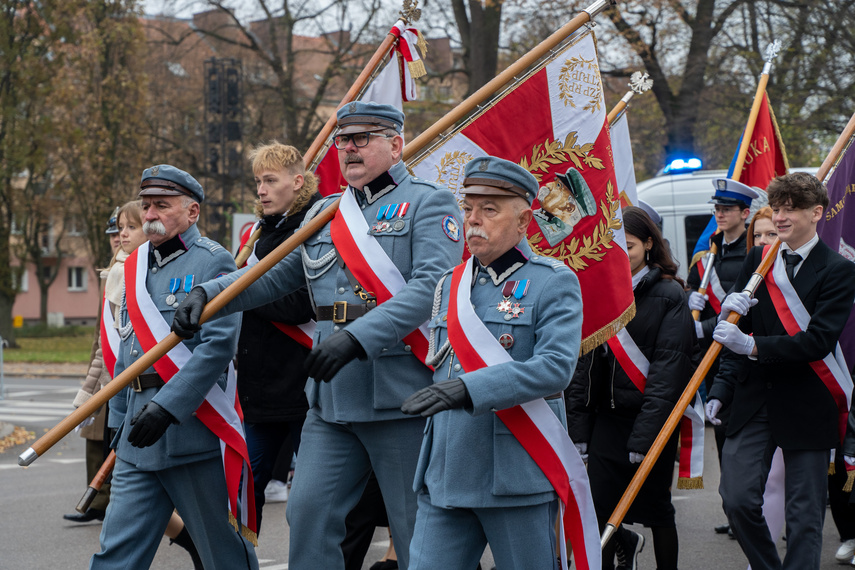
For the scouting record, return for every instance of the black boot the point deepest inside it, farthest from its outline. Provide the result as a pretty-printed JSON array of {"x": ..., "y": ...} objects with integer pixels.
[{"x": 184, "y": 541}]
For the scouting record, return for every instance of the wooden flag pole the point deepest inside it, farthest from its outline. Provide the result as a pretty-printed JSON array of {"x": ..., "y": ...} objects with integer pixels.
[
  {"x": 771, "y": 52},
  {"x": 465, "y": 108},
  {"x": 701, "y": 372}
]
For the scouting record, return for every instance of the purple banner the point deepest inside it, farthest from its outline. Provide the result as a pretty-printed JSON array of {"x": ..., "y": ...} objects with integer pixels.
[{"x": 837, "y": 230}]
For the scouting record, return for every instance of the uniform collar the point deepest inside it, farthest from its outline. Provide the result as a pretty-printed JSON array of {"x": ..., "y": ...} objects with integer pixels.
[
  {"x": 381, "y": 185},
  {"x": 172, "y": 248},
  {"x": 505, "y": 265}
]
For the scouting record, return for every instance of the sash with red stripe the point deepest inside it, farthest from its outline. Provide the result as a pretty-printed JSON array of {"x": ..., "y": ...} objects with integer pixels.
[
  {"x": 533, "y": 424},
  {"x": 832, "y": 369},
  {"x": 368, "y": 262},
  {"x": 220, "y": 412},
  {"x": 636, "y": 366},
  {"x": 714, "y": 290},
  {"x": 109, "y": 336},
  {"x": 303, "y": 333}
]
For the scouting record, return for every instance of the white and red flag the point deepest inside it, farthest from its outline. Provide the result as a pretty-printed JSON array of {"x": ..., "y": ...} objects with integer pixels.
[{"x": 550, "y": 121}]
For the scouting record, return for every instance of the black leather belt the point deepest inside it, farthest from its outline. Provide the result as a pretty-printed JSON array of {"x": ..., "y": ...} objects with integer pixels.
[
  {"x": 555, "y": 396},
  {"x": 148, "y": 380},
  {"x": 342, "y": 311}
]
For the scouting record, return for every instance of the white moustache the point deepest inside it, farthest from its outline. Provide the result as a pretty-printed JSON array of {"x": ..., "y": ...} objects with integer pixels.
[
  {"x": 476, "y": 232},
  {"x": 154, "y": 227}
]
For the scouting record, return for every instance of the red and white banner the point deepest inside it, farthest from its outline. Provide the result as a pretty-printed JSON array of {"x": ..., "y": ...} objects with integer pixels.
[
  {"x": 303, "y": 333},
  {"x": 624, "y": 164},
  {"x": 109, "y": 336},
  {"x": 832, "y": 369},
  {"x": 548, "y": 122},
  {"x": 534, "y": 424},
  {"x": 636, "y": 366},
  {"x": 370, "y": 265},
  {"x": 715, "y": 292},
  {"x": 220, "y": 412}
]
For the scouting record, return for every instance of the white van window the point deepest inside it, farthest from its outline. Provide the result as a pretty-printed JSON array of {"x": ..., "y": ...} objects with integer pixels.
[{"x": 695, "y": 226}]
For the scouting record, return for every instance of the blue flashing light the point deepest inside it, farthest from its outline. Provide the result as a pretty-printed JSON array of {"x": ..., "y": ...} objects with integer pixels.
[{"x": 679, "y": 165}]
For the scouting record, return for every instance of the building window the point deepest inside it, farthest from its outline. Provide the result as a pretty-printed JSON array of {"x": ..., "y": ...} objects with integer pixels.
[
  {"x": 24, "y": 284},
  {"x": 75, "y": 227},
  {"x": 77, "y": 279}
]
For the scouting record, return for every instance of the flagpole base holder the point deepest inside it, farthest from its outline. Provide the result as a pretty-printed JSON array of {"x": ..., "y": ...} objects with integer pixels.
[{"x": 27, "y": 457}]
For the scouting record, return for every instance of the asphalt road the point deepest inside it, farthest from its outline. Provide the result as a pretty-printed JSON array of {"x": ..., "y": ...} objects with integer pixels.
[{"x": 34, "y": 536}]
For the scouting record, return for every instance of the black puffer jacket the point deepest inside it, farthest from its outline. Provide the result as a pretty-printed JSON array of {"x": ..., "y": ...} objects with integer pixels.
[
  {"x": 663, "y": 330},
  {"x": 271, "y": 381},
  {"x": 728, "y": 263}
]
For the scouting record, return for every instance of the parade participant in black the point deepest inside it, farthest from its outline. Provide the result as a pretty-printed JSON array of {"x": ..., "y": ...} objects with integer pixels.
[
  {"x": 732, "y": 201},
  {"x": 616, "y": 407},
  {"x": 275, "y": 338},
  {"x": 780, "y": 380}
]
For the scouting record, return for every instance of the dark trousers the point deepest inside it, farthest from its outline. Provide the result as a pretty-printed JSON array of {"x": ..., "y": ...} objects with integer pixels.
[
  {"x": 842, "y": 511},
  {"x": 264, "y": 441},
  {"x": 745, "y": 465}
]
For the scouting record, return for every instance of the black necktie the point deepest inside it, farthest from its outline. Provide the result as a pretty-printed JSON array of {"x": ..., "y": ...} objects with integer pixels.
[{"x": 792, "y": 260}]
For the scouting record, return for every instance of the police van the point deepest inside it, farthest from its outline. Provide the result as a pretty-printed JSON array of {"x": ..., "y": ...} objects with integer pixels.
[{"x": 681, "y": 197}]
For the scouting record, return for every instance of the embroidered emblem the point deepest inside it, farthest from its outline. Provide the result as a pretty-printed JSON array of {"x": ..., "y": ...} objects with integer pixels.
[
  {"x": 155, "y": 170},
  {"x": 451, "y": 228},
  {"x": 483, "y": 166},
  {"x": 352, "y": 108},
  {"x": 507, "y": 341}
]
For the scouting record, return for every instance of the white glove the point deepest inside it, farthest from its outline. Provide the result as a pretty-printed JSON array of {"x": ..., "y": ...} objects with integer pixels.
[
  {"x": 635, "y": 457},
  {"x": 582, "y": 448},
  {"x": 697, "y": 302},
  {"x": 712, "y": 409},
  {"x": 738, "y": 303},
  {"x": 849, "y": 460},
  {"x": 699, "y": 329},
  {"x": 730, "y": 336}
]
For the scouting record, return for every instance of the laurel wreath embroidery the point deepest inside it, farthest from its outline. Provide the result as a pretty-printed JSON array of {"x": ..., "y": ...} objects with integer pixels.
[
  {"x": 565, "y": 83},
  {"x": 593, "y": 246},
  {"x": 552, "y": 153},
  {"x": 450, "y": 168}
]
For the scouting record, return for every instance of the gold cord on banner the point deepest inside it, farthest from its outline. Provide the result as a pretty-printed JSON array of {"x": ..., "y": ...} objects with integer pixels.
[
  {"x": 690, "y": 482},
  {"x": 606, "y": 332}
]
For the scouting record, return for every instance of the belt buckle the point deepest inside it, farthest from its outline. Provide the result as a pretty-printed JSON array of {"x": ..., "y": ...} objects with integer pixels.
[
  {"x": 135, "y": 384},
  {"x": 335, "y": 318}
]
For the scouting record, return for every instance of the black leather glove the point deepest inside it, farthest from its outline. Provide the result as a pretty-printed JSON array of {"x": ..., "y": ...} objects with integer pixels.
[
  {"x": 185, "y": 323},
  {"x": 445, "y": 395},
  {"x": 331, "y": 355},
  {"x": 149, "y": 425}
]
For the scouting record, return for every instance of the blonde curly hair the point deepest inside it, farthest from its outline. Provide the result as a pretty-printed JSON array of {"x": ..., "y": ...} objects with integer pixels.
[{"x": 276, "y": 156}]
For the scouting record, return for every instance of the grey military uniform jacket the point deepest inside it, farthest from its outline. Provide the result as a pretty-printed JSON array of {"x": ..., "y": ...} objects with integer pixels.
[
  {"x": 469, "y": 458},
  {"x": 420, "y": 244},
  {"x": 212, "y": 348}
]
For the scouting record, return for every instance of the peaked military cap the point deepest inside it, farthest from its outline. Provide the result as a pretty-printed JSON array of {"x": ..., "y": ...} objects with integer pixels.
[
  {"x": 732, "y": 193},
  {"x": 498, "y": 177},
  {"x": 650, "y": 211},
  {"x": 166, "y": 180},
  {"x": 368, "y": 117},
  {"x": 112, "y": 223}
]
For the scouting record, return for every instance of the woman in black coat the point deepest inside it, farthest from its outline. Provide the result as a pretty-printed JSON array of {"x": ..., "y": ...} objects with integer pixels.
[{"x": 614, "y": 413}]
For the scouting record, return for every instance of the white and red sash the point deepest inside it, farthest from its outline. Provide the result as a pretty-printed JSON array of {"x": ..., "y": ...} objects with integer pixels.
[
  {"x": 533, "y": 424},
  {"x": 220, "y": 412},
  {"x": 636, "y": 366},
  {"x": 303, "y": 333},
  {"x": 368, "y": 262},
  {"x": 715, "y": 292},
  {"x": 832, "y": 369},
  {"x": 109, "y": 336}
]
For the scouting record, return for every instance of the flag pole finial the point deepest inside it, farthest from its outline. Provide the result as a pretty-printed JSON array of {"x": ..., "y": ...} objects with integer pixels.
[
  {"x": 639, "y": 82},
  {"x": 771, "y": 53},
  {"x": 410, "y": 13},
  {"x": 598, "y": 7}
]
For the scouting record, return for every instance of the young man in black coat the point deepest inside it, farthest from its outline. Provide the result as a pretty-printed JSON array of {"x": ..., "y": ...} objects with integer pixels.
[{"x": 770, "y": 379}]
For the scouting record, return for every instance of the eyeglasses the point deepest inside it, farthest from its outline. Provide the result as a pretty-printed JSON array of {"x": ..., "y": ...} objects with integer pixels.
[{"x": 359, "y": 139}]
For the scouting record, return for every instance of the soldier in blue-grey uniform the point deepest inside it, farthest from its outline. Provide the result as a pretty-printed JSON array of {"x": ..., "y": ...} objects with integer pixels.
[
  {"x": 362, "y": 364},
  {"x": 476, "y": 483},
  {"x": 166, "y": 458}
]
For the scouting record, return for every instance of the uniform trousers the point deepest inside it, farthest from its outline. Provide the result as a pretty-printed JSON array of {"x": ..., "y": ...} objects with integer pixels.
[
  {"x": 520, "y": 538},
  {"x": 333, "y": 467},
  {"x": 745, "y": 463},
  {"x": 141, "y": 503}
]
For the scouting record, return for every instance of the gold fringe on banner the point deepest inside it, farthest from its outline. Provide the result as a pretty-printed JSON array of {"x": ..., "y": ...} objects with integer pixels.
[
  {"x": 594, "y": 340},
  {"x": 690, "y": 482},
  {"x": 831, "y": 469},
  {"x": 850, "y": 479},
  {"x": 243, "y": 530},
  {"x": 417, "y": 68},
  {"x": 421, "y": 43}
]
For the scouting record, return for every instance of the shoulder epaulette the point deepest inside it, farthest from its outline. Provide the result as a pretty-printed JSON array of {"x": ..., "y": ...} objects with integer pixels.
[{"x": 555, "y": 264}]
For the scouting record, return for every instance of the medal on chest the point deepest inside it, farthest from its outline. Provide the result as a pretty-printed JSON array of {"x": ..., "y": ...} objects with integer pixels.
[
  {"x": 389, "y": 218},
  {"x": 513, "y": 291}
]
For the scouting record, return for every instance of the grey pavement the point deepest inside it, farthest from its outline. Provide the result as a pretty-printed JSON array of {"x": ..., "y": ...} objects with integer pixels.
[{"x": 33, "y": 534}]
